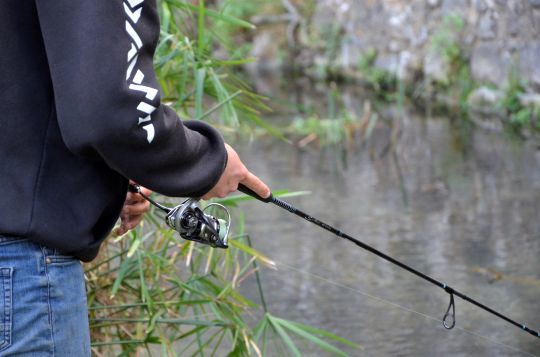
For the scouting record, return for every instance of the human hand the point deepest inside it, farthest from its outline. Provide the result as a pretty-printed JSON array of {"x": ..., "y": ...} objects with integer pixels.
[
  {"x": 135, "y": 206},
  {"x": 236, "y": 173}
]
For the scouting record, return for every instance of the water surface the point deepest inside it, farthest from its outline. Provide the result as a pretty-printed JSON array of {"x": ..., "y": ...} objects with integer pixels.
[{"x": 459, "y": 205}]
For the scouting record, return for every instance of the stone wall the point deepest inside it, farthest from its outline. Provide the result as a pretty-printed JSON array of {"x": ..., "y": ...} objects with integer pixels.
[{"x": 496, "y": 37}]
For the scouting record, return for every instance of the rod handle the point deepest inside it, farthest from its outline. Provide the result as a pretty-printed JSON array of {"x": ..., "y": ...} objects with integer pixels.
[{"x": 252, "y": 193}]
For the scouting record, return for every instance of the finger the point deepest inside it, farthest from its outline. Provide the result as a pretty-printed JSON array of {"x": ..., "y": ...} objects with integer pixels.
[
  {"x": 120, "y": 231},
  {"x": 254, "y": 183},
  {"x": 134, "y": 221},
  {"x": 136, "y": 208},
  {"x": 127, "y": 226},
  {"x": 132, "y": 198},
  {"x": 145, "y": 191},
  {"x": 135, "y": 197},
  {"x": 131, "y": 222}
]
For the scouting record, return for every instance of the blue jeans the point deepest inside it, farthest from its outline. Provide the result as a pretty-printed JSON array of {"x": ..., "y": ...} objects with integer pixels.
[{"x": 42, "y": 302}]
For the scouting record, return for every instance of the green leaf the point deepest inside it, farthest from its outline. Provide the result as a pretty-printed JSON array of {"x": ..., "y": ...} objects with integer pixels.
[
  {"x": 309, "y": 333},
  {"x": 137, "y": 243},
  {"x": 144, "y": 289},
  {"x": 165, "y": 18},
  {"x": 326, "y": 334},
  {"x": 217, "y": 15},
  {"x": 153, "y": 339},
  {"x": 283, "y": 335},
  {"x": 230, "y": 116},
  {"x": 124, "y": 267},
  {"x": 118, "y": 342},
  {"x": 200, "y": 29},
  {"x": 225, "y": 101},
  {"x": 200, "y": 75},
  {"x": 260, "y": 328},
  {"x": 263, "y": 259},
  {"x": 236, "y": 62},
  {"x": 371, "y": 125},
  {"x": 269, "y": 128}
]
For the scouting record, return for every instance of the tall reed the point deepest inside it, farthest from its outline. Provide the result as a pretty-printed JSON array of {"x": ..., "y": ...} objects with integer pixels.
[{"x": 151, "y": 292}]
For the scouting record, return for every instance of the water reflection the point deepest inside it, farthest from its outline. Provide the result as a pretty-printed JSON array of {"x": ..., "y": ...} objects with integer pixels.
[{"x": 462, "y": 208}]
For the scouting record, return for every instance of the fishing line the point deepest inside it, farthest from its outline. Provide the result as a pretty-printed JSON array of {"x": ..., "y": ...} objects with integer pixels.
[
  {"x": 396, "y": 305},
  {"x": 449, "y": 318}
]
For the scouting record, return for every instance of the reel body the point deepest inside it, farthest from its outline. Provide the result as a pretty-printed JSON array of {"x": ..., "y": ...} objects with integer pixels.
[{"x": 194, "y": 223}]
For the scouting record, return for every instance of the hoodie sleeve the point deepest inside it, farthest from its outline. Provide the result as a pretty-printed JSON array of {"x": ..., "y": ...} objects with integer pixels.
[{"x": 107, "y": 98}]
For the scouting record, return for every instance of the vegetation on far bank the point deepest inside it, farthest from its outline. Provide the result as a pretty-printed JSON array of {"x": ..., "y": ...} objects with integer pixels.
[{"x": 315, "y": 53}]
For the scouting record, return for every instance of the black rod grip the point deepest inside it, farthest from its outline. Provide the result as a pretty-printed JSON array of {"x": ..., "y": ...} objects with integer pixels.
[{"x": 252, "y": 193}]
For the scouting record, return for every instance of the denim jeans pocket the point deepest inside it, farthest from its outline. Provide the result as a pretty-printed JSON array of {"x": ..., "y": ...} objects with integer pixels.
[
  {"x": 55, "y": 257},
  {"x": 61, "y": 259},
  {"x": 5, "y": 307},
  {"x": 9, "y": 240}
]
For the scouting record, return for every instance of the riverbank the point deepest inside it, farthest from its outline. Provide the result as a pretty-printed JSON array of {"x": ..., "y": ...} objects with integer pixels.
[{"x": 478, "y": 58}]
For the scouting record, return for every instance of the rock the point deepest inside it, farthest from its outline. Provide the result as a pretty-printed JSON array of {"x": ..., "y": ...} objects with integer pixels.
[
  {"x": 484, "y": 97},
  {"x": 480, "y": 5},
  {"x": 513, "y": 27},
  {"x": 420, "y": 38},
  {"x": 394, "y": 46},
  {"x": 455, "y": 7},
  {"x": 436, "y": 67},
  {"x": 530, "y": 100},
  {"x": 487, "y": 27},
  {"x": 535, "y": 3},
  {"x": 351, "y": 51},
  {"x": 388, "y": 62},
  {"x": 529, "y": 60},
  {"x": 408, "y": 64},
  {"x": 536, "y": 20},
  {"x": 487, "y": 64}
]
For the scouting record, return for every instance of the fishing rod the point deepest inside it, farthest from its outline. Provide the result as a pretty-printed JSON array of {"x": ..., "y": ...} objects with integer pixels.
[
  {"x": 449, "y": 318},
  {"x": 195, "y": 224}
]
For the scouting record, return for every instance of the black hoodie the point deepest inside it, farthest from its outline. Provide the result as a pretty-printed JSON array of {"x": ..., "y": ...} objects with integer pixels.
[{"x": 80, "y": 113}]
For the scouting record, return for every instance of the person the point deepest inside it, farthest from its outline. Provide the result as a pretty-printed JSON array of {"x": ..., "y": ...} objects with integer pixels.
[{"x": 81, "y": 114}]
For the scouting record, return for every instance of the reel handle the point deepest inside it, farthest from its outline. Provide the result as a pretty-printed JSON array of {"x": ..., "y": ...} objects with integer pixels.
[{"x": 252, "y": 193}]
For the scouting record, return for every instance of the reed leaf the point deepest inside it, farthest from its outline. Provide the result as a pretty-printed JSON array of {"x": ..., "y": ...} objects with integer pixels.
[
  {"x": 310, "y": 334},
  {"x": 214, "y": 14},
  {"x": 276, "y": 326}
]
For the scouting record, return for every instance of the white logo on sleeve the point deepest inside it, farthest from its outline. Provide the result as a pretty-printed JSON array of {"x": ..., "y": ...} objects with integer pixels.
[{"x": 133, "y": 12}]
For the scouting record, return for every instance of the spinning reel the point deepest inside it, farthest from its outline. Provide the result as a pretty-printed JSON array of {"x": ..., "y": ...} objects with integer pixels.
[{"x": 193, "y": 223}]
